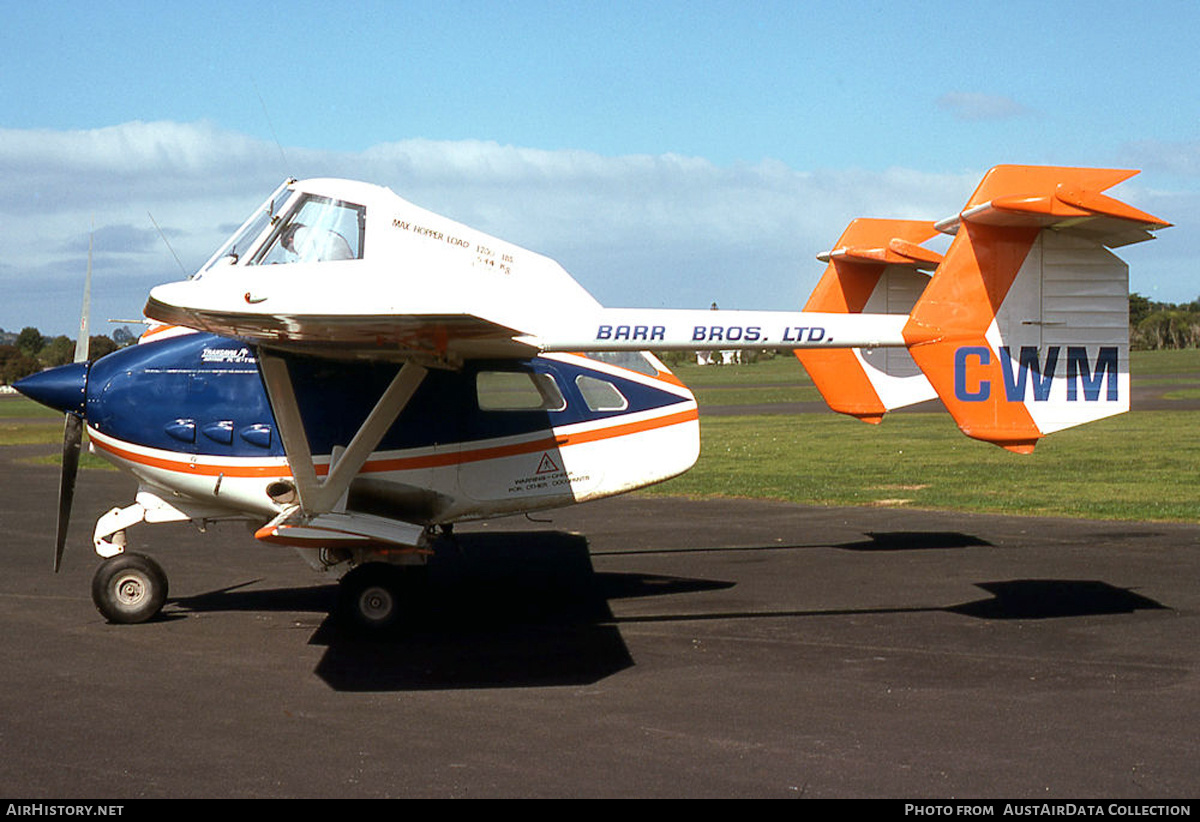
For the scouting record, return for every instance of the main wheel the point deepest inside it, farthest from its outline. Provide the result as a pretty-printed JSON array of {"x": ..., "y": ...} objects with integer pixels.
[
  {"x": 377, "y": 597},
  {"x": 129, "y": 588}
]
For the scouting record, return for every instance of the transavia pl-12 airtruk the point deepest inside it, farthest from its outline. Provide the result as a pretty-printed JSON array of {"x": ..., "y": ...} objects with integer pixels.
[{"x": 353, "y": 374}]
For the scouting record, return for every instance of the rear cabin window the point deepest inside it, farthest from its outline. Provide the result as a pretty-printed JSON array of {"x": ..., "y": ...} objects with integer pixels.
[
  {"x": 517, "y": 391},
  {"x": 633, "y": 360},
  {"x": 601, "y": 395}
]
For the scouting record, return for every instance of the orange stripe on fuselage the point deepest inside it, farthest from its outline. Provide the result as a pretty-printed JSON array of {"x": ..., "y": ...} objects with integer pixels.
[
  {"x": 406, "y": 463},
  {"x": 556, "y": 441},
  {"x": 192, "y": 468}
]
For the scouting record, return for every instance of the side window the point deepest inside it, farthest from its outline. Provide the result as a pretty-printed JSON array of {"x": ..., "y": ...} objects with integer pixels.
[
  {"x": 517, "y": 391},
  {"x": 601, "y": 395},
  {"x": 318, "y": 230},
  {"x": 633, "y": 360}
]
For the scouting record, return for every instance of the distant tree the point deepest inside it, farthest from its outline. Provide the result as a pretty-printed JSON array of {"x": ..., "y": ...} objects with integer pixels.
[
  {"x": 123, "y": 337},
  {"x": 15, "y": 364},
  {"x": 1139, "y": 308},
  {"x": 99, "y": 345},
  {"x": 1168, "y": 328},
  {"x": 7, "y": 352},
  {"x": 30, "y": 341},
  {"x": 58, "y": 351}
]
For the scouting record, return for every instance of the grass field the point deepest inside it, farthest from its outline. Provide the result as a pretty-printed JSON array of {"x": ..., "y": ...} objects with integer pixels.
[
  {"x": 1140, "y": 466},
  {"x": 24, "y": 422},
  {"x": 1128, "y": 467}
]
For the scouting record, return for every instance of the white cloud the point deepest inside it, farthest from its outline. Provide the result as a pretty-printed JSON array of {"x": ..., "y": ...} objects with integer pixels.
[{"x": 661, "y": 230}]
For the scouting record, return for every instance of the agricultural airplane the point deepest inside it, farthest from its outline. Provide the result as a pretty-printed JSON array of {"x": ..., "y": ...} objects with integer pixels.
[{"x": 353, "y": 374}]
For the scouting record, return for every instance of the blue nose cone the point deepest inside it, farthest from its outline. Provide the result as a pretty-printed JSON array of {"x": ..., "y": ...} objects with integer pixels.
[{"x": 63, "y": 388}]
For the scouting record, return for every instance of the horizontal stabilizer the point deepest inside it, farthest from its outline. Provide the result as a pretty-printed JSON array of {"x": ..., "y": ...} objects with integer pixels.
[
  {"x": 875, "y": 268},
  {"x": 1067, "y": 199}
]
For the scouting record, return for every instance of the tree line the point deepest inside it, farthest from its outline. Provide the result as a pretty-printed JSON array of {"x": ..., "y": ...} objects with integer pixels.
[
  {"x": 29, "y": 351},
  {"x": 1154, "y": 325}
]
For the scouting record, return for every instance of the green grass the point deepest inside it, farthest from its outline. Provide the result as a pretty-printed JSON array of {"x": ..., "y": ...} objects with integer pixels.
[
  {"x": 86, "y": 461},
  {"x": 31, "y": 433},
  {"x": 1164, "y": 362},
  {"x": 18, "y": 407},
  {"x": 48, "y": 432},
  {"x": 759, "y": 395},
  {"x": 1139, "y": 466}
]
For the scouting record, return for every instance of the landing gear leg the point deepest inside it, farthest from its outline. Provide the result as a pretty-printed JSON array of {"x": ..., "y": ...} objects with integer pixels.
[{"x": 129, "y": 588}]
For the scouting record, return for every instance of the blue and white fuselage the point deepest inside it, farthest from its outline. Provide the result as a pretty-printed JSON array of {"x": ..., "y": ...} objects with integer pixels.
[{"x": 190, "y": 417}]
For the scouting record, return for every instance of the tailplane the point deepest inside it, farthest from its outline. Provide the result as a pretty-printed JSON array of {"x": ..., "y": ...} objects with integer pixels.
[
  {"x": 876, "y": 267},
  {"x": 1023, "y": 328}
]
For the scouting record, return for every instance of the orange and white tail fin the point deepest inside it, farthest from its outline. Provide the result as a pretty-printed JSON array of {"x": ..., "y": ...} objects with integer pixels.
[
  {"x": 1023, "y": 329},
  {"x": 875, "y": 268}
]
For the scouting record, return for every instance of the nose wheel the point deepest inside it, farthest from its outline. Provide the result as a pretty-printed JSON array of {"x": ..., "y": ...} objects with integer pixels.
[{"x": 129, "y": 588}]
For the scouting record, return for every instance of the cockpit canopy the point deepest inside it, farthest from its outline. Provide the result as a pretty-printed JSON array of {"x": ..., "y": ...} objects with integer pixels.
[{"x": 296, "y": 227}]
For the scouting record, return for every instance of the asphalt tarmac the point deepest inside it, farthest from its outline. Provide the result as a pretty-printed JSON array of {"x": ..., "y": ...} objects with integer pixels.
[{"x": 636, "y": 647}]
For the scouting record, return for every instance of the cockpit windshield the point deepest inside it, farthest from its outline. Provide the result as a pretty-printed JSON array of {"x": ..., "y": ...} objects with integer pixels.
[
  {"x": 317, "y": 229},
  {"x": 243, "y": 239}
]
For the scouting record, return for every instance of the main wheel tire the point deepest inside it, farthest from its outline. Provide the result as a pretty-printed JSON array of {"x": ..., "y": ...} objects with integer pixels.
[
  {"x": 129, "y": 588},
  {"x": 377, "y": 598}
]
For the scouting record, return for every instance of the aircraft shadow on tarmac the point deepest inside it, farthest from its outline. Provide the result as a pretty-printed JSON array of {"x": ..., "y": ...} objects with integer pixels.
[{"x": 529, "y": 609}]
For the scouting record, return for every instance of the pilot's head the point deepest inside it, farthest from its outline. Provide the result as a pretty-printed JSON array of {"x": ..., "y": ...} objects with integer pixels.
[{"x": 288, "y": 238}]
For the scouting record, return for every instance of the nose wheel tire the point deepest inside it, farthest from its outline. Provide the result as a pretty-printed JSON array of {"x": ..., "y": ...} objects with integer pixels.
[{"x": 129, "y": 588}]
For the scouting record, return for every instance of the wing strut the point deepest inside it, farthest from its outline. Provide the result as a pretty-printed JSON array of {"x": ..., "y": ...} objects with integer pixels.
[{"x": 317, "y": 496}]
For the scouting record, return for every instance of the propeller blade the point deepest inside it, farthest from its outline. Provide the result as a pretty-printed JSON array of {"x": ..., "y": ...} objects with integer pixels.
[
  {"x": 73, "y": 425},
  {"x": 84, "y": 341},
  {"x": 72, "y": 442}
]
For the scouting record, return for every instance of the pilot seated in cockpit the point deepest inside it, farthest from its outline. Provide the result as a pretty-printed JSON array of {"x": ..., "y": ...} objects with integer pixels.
[{"x": 314, "y": 245}]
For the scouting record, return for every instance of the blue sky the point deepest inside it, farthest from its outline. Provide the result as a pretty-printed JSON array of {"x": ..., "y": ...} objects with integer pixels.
[{"x": 667, "y": 153}]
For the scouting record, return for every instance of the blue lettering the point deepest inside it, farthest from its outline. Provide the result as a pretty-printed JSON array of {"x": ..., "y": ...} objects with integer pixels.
[
  {"x": 984, "y": 355},
  {"x": 658, "y": 332},
  {"x": 1106, "y": 365},
  {"x": 698, "y": 333},
  {"x": 622, "y": 333},
  {"x": 1014, "y": 389},
  {"x": 816, "y": 334},
  {"x": 604, "y": 332}
]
